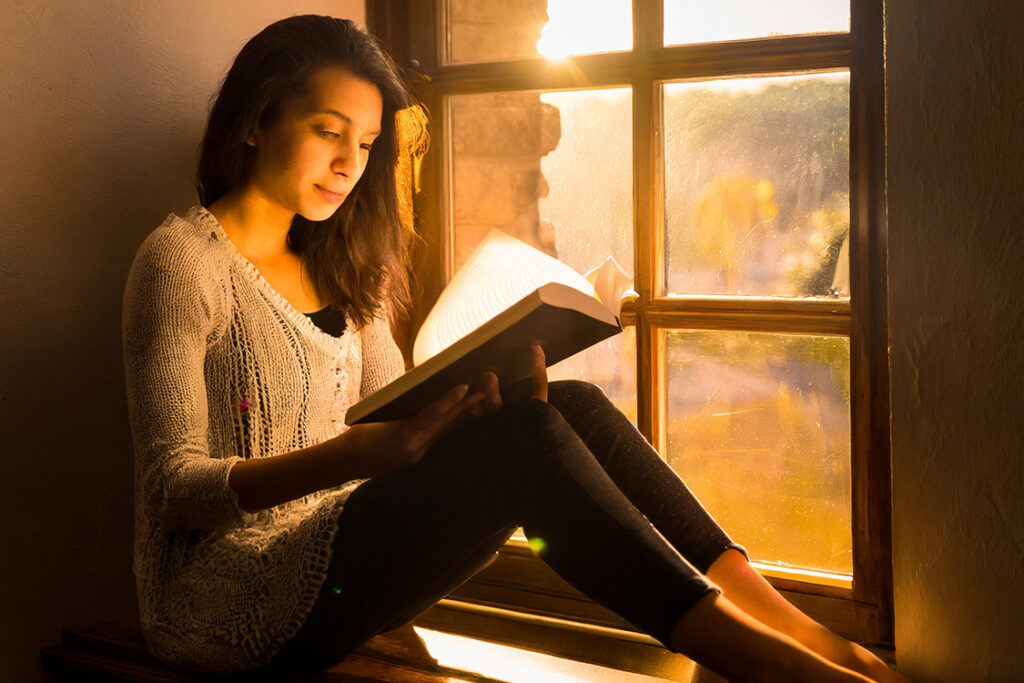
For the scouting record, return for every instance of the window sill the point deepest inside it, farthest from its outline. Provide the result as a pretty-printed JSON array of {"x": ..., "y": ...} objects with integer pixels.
[
  {"x": 520, "y": 582},
  {"x": 600, "y": 646}
]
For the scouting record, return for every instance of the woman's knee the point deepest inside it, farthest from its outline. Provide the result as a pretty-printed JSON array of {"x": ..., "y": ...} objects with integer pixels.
[
  {"x": 572, "y": 397},
  {"x": 577, "y": 391},
  {"x": 528, "y": 432},
  {"x": 535, "y": 419}
]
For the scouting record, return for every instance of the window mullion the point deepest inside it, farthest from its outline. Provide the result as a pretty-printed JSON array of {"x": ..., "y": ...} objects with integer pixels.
[
  {"x": 756, "y": 314},
  {"x": 868, "y": 367},
  {"x": 725, "y": 320},
  {"x": 647, "y": 249},
  {"x": 647, "y": 26},
  {"x": 755, "y": 57}
]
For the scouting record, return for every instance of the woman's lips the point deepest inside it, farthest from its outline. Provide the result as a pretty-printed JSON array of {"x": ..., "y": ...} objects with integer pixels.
[{"x": 332, "y": 197}]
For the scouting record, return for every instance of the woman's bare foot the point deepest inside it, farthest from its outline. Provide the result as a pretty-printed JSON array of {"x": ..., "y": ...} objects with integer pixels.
[
  {"x": 722, "y": 637},
  {"x": 749, "y": 591},
  {"x": 863, "y": 660}
]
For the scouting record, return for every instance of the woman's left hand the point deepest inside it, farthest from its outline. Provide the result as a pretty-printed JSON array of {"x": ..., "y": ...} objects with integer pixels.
[
  {"x": 539, "y": 373},
  {"x": 488, "y": 385}
]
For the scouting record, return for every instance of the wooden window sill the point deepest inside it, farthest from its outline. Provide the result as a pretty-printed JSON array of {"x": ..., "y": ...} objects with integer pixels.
[
  {"x": 592, "y": 650},
  {"x": 116, "y": 651}
]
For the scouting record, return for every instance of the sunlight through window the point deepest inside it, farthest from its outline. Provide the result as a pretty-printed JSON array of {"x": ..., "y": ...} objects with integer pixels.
[
  {"x": 578, "y": 27},
  {"x": 506, "y": 663},
  {"x": 695, "y": 21}
]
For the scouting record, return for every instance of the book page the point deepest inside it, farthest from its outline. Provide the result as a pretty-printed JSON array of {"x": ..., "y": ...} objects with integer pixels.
[
  {"x": 500, "y": 272},
  {"x": 610, "y": 283}
]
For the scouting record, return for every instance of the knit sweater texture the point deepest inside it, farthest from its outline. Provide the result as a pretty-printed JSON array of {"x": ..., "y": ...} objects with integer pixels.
[{"x": 219, "y": 368}]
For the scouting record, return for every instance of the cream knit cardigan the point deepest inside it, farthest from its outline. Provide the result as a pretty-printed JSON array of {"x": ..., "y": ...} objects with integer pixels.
[{"x": 220, "y": 367}]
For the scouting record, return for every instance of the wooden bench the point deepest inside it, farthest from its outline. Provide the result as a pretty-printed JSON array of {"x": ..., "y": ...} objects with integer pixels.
[{"x": 116, "y": 651}]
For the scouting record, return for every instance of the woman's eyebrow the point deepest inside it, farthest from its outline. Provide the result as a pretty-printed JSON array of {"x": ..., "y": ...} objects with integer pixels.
[{"x": 346, "y": 119}]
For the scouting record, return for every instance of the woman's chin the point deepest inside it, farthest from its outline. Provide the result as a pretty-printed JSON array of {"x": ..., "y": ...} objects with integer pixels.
[{"x": 320, "y": 213}]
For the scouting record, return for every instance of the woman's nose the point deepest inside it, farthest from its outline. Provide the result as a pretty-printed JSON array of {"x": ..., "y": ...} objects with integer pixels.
[{"x": 346, "y": 160}]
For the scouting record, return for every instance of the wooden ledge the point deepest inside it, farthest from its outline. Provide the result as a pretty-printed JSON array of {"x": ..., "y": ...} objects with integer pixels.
[{"x": 116, "y": 651}]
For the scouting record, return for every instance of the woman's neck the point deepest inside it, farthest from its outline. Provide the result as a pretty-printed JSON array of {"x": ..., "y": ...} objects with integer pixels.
[
  {"x": 261, "y": 235},
  {"x": 257, "y": 228}
]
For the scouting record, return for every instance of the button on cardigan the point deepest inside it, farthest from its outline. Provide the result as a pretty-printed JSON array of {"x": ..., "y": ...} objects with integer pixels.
[{"x": 219, "y": 367}]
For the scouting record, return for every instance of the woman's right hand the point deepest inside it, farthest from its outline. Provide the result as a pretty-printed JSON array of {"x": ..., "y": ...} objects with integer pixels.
[
  {"x": 368, "y": 450},
  {"x": 376, "y": 448}
]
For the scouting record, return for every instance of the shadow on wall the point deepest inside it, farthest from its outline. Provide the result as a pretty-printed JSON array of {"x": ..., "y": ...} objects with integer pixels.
[{"x": 103, "y": 106}]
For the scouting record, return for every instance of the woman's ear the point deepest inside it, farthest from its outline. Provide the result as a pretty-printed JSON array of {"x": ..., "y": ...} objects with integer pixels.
[{"x": 253, "y": 138}]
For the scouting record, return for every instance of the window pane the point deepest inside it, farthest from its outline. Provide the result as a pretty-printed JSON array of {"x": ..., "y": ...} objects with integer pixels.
[
  {"x": 521, "y": 162},
  {"x": 757, "y": 178},
  {"x": 610, "y": 365},
  {"x": 759, "y": 428},
  {"x": 693, "y": 21},
  {"x": 488, "y": 30}
]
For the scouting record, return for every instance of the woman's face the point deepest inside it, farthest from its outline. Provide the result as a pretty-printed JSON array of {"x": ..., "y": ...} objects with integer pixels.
[{"x": 312, "y": 156}]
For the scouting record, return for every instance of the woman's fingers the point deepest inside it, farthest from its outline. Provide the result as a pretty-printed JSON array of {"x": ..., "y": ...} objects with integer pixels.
[
  {"x": 467, "y": 407},
  {"x": 432, "y": 412},
  {"x": 539, "y": 373},
  {"x": 491, "y": 391},
  {"x": 485, "y": 397},
  {"x": 437, "y": 416}
]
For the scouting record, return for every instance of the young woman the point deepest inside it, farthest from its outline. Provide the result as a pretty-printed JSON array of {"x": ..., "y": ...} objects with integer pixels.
[{"x": 268, "y": 536}]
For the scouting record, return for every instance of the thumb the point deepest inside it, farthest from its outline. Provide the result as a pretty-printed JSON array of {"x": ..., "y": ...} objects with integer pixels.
[{"x": 539, "y": 373}]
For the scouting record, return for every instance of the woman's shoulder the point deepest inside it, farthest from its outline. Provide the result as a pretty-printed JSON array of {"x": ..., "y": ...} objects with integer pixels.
[
  {"x": 189, "y": 239},
  {"x": 183, "y": 258}
]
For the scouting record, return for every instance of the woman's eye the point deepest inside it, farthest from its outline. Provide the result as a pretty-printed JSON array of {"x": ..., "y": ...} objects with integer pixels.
[
  {"x": 367, "y": 146},
  {"x": 328, "y": 134}
]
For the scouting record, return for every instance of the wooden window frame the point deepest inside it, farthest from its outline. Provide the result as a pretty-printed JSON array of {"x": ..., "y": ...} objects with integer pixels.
[{"x": 518, "y": 587}]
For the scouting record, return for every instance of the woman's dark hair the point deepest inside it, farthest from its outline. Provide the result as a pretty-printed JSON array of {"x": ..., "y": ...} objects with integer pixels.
[{"x": 359, "y": 255}]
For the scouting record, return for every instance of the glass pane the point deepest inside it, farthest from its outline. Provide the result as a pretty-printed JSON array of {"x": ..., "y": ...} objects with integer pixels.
[
  {"x": 759, "y": 428},
  {"x": 757, "y": 186},
  {"x": 521, "y": 162},
  {"x": 694, "y": 21},
  {"x": 488, "y": 30},
  {"x": 611, "y": 365}
]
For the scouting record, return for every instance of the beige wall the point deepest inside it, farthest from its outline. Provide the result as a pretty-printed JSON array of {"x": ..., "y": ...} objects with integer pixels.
[
  {"x": 956, "y": 253},
  {"x": 102, "y": 105}
]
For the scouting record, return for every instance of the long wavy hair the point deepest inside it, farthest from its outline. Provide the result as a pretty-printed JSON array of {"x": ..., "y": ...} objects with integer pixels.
[{"x": 359, "y": 257}]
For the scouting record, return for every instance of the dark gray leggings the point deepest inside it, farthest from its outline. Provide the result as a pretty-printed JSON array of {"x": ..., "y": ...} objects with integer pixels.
[{"x": 573, "y": 472}]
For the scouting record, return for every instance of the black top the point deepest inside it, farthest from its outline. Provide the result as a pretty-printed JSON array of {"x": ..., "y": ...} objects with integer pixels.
[{"x": 329, "y": 320}]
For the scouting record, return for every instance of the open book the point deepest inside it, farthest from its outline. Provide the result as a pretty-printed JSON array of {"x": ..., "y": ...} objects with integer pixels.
[{"x": 506, "y": 298}]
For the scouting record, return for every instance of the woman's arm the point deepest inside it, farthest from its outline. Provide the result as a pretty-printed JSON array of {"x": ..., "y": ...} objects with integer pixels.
[
  {"x": 368, "y": 450},
  {"x": 361, "y": 451},
  {"x": 382, "y": 360},
  {"x": 174, "y": 305}
]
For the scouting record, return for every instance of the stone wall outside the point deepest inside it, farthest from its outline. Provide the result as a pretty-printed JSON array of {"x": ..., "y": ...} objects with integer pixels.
[{"x": 499, "y": 138}]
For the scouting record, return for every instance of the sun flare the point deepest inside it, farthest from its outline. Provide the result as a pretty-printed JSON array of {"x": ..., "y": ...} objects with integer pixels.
[{"x": 607, "y": 27}]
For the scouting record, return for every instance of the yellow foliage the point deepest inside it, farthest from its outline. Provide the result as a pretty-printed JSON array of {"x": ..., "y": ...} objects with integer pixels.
[{"x": 729, "y": 210}]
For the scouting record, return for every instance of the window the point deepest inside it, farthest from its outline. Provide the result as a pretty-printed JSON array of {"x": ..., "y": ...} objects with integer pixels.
[{"x": 730, "y": 159}]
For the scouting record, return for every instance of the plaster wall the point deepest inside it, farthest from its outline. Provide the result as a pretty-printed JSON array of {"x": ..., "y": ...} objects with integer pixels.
[
  {"x": 102, "y": 105},
  {"x": 955, "y": 107}
]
